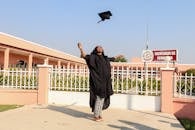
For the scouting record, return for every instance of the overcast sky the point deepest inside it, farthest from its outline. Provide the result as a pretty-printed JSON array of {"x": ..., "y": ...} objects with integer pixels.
[{"x": 60, "y": 24}]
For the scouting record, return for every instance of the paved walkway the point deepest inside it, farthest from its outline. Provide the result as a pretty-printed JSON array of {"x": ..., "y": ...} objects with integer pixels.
[{"x": 55, "y": 117}]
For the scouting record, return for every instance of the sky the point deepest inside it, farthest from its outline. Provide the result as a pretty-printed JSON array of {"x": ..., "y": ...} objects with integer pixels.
[{"x": 61, "y": 24}]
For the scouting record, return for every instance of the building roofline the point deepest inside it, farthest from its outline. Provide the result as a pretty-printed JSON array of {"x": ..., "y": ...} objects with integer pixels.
[{"x": 39, "y": 47}]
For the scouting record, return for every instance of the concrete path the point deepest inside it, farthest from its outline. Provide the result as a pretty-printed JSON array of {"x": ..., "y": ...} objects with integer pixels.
[{"x": 55, "y": 117}]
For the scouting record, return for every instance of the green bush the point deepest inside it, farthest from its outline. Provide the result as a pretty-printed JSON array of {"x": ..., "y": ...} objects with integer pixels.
[
  {"x": 188, "y": 124},
  {"x": 190, "y": 71}
]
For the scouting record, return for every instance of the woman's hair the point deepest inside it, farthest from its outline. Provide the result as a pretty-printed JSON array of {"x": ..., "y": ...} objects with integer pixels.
[{"x": 95, "y": 51}]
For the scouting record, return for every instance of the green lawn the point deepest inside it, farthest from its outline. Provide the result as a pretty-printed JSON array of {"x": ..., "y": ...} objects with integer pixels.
[
  {"x": 8, "y": 107},
  {"x": 188, "y": 124}
]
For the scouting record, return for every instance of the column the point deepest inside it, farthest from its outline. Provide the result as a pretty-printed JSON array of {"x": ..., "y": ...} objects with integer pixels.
[
  {"x": 59, "y": 64},
  {"x": 30, "y": 59},
  {"x": 46, "y": 61},
  {"x": 6, "y": 58}
]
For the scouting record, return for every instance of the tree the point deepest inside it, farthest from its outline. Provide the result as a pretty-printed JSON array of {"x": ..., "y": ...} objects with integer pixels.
[
  {"x": 190, "y": 71},
  {"x": 120, "y": 59}
]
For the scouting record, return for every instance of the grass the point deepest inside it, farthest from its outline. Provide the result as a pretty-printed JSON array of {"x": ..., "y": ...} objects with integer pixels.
[
  {"x": 8, "y": 107},
  {"x": 188, "y": 124}
]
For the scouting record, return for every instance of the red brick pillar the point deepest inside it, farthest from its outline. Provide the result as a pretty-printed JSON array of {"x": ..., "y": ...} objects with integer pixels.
[{"x": 167, "y": 90}]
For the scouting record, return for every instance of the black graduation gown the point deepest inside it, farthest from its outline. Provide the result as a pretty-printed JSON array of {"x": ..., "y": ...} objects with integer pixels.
[{"x": 100, "y": 78}]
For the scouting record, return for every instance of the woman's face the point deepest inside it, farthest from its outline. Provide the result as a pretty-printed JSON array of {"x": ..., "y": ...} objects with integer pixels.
[{"x": 99, "y": 50}]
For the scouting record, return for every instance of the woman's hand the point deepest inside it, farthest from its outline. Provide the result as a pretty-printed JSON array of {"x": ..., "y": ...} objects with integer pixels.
[
  {"x": 79, "y": 46},
  {"x": 83, "y": 54}
]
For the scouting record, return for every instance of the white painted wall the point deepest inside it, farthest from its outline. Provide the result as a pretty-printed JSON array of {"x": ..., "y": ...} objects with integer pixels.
[
  {"x": 121, "y": 101},
  {"x": 135, "y": 102}
]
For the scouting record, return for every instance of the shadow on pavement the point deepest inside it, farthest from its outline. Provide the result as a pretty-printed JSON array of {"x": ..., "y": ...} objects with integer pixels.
[
  {"x": 133, "y": 125},
  {"x": 120, "y": 127},
  {"x": 172, "y": 124},
  {"x": 166, "y": 117},
  {"x": 68, "y": 111}
]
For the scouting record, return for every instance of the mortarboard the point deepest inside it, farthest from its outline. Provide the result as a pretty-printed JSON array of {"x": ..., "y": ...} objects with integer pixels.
[{"x": 104, "y": 15}]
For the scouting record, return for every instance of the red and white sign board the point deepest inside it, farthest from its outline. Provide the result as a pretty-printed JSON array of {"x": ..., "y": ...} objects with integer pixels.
[{"x": 163, "y": 55}]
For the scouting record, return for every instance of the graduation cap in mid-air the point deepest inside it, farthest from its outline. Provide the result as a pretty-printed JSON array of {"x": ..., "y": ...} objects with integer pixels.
[{"x": 104, "y": 15}]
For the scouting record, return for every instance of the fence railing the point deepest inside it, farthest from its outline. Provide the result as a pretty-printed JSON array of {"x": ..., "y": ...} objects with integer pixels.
[
  {"x": 136, "y": 80},
  {"x": 70, "y": 79},
  {"x": 18, "y": 78},
  {"x": 132, "y": 80},
  {"x": 184, "y": 86}
]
